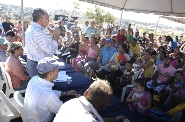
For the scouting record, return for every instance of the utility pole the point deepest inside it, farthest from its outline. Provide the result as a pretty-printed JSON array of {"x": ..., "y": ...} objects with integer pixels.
[{"x": 22, "y": 20}]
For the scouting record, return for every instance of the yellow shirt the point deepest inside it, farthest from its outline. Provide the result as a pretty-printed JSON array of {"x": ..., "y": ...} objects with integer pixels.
[
  {"x": 149, "y": 70},
  {"x": 136, "y": 49}
]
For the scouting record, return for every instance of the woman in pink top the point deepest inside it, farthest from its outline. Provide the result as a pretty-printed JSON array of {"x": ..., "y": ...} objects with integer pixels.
[
  {"x": 91, "y": 58},
  {"x": 15, "y": 69}
]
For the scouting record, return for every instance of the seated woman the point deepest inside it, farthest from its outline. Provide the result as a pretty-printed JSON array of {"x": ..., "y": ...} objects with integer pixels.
[
  {"x": 74, "y": 47},
  {"x": 173, "y": 54},
  {"x": 178, "y": 83},
  {"x": 91, "y": 58},
  {"x": 101, "y": 43},
  {"x": 120, "y": 55},
  {"x": 177, "y": 62},
  {"x": 83, "y": 48},
  {"x": 147, "y": 63},
  {"x": 13, "y": 66},
  {"x": 130, "y": 53},
  {"x": 151, "y": 49},
  {"x": 161, "y": 48},
  {"x": 160, "y": 60}
]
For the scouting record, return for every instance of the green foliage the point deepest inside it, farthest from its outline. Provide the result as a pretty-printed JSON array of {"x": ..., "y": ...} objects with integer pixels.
[
  {"x": 75, "y": 8},
  {"x": 99, "y": 15}
]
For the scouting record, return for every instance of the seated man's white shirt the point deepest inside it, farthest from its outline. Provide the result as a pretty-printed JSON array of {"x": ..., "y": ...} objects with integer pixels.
[
  {"x": 78, "y": 110},
  {"x": 38, "y": 43},
  {"x": 41, "y": 99}
]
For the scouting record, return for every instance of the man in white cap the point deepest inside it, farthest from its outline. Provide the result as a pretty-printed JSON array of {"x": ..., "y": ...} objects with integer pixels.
[{"x": 39, "y": 97}]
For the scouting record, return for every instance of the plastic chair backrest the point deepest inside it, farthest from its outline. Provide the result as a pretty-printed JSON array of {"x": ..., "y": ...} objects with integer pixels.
[
  {"x": 8, "y": 103},
  {"x": 19, "y": 99},
  {"x": 7, "y": 78},
  {"x": 155, "y": 68}
]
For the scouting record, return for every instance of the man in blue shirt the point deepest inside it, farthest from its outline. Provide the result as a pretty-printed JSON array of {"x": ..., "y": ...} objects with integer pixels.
[
  {"x": 172, "y": 43},
  {"x": 105, "y": 55}
]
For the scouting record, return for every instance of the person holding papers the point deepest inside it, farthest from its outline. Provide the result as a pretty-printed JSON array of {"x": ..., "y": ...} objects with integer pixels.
[{"x": 39, "y": 97}]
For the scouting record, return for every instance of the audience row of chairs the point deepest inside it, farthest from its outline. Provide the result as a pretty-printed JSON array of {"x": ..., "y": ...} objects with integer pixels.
[
  {"x": 11, "y": 108},
  {"x": 7, "y": 80}
]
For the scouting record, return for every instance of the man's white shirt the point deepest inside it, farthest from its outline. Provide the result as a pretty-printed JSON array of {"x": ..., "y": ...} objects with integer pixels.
[
  {"x": 38, "y": 43},
  {"x": 41, "y": 99}
]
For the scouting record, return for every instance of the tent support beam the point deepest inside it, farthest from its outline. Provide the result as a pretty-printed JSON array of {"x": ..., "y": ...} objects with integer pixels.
[
  {"x": 121, "y": 18},
  {"x": 22, "y": 20},
  {"x": 157, "y": 25}
]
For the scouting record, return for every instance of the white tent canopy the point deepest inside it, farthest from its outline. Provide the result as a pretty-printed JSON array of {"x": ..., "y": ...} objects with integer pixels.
[
  {"x": 175, "y": 19},
  {"x": 160, "y": 7}
]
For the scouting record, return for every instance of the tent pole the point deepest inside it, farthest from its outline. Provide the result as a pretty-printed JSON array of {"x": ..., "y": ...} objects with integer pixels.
[
  {"x": 120, "y": 18},
  {"x": 157, "y": 25},
  {"x": 22, "y": 20}
]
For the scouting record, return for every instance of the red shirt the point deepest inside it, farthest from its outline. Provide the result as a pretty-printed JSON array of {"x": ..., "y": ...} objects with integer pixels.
[
  {"x": 16, "y": 71},
  {"x": 120, "y": 39}
]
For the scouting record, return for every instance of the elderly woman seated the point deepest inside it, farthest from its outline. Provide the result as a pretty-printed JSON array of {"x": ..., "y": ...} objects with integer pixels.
[{"x": 13, "y": 66}]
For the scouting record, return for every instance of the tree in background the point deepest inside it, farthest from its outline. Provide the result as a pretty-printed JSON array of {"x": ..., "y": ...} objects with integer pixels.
[
  {"x": 75, "y": 8},
  {"x": 99, "y": 15}
]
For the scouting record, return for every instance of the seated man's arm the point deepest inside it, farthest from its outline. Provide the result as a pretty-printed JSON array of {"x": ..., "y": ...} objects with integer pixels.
[{"x": 54, "y": 103}]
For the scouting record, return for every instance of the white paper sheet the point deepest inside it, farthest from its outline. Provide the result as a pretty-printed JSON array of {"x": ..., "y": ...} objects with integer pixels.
[{"x": 62, "y": 77}]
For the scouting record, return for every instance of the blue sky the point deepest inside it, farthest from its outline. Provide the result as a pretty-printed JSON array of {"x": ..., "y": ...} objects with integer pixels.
[{"x": 56, "y": 4}]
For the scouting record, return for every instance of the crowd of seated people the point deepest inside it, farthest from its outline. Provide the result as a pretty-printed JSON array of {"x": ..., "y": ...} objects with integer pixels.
[
  {"x": 110, "y": 56},
  {"x": 117, "y": 53}
]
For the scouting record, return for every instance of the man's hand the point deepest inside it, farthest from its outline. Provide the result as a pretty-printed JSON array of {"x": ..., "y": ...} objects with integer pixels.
[
  {"x": 56, "y": 33},
  {"x": 71, "y": 93}
]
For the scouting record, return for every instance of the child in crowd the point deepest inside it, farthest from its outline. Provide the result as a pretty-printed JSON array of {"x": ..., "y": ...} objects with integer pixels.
[
  {"x": 178, "y": 80},
  {"x": 112, "y": 65},
  {"x": 125, "y": 78},
  {"x": 138, "y": 98},
  {"x": 178, "y": 83}
]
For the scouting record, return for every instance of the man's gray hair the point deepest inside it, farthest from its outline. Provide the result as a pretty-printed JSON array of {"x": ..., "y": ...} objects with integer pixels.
[{"x": 38, "y": 13}]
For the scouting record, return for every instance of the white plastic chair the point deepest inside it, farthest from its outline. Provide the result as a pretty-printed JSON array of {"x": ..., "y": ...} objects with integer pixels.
[
  {"x": 9, "y": 87},
  {"x": 136, "y": 74},
  {"x": 20, "y": 100},
  {"x": 2, "y": 81},
  {"x": 8, "y": 108},
  {"x": 124, "y": 91},
  {"x": 154, "y": 70}
]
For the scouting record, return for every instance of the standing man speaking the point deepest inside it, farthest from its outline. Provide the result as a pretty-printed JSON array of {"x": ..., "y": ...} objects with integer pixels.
[{"x": 38, "y": 45}]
